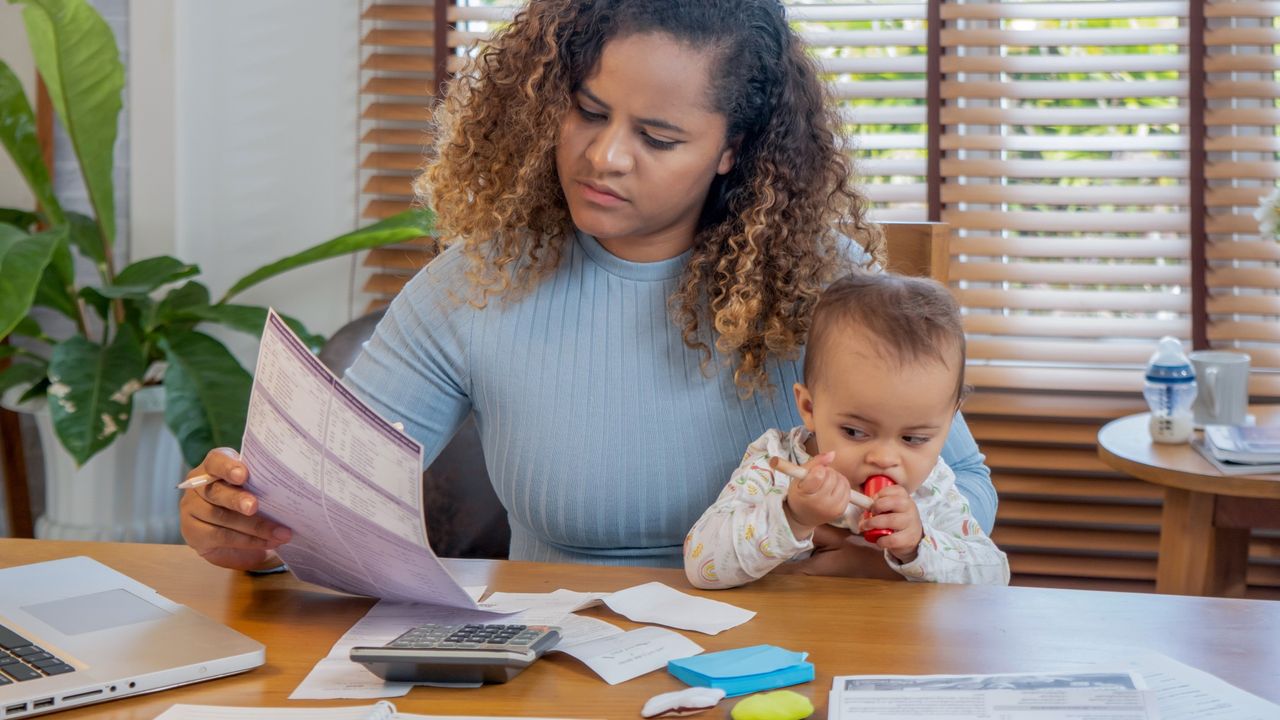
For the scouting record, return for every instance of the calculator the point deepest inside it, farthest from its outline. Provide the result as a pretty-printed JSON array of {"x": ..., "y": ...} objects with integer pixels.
[{"x": 458, "y": 654}]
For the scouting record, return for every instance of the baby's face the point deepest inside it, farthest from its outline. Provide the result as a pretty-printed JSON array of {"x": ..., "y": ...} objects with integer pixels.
[{"x": 880, "y": 417}]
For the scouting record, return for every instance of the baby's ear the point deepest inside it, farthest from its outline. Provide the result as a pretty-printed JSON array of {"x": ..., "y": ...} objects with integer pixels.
[{"x": 804, "y": 404}]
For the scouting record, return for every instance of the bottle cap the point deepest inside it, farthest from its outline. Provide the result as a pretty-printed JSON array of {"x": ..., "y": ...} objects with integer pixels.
[{"x": 1168, "y": 364}]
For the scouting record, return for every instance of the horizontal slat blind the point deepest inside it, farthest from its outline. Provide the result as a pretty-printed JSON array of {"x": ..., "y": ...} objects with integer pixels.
[
  {"x": 1243, "y": 276},
  {"x": 397, "y": 89},
  {"x": 1065, "y": 178},
  {"x": 874, "y": 55}
]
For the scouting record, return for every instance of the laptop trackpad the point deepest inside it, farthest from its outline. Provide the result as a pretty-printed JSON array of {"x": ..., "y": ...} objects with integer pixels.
[{"x": 97, "y": 611}]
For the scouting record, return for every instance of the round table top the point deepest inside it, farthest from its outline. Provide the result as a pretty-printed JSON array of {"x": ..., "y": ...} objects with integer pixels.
[{"x": 1125, "y": 444}]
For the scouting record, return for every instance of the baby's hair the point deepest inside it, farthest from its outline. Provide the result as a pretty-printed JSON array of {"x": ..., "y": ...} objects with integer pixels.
[{"x": 913, "y": 319}]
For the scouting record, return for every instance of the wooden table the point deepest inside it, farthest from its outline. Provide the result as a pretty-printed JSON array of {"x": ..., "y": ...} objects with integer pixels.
[
  {"x": 847, "y": 626},
  {"x": 1207, "y": 516}
]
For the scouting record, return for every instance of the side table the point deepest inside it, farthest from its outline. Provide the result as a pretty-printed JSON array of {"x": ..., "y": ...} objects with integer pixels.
[{"x": 1207, "y": 517}]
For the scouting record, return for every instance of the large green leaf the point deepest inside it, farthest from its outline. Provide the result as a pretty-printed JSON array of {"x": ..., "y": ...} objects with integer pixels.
[
  {"x": 28, "y": 327},
  {"x": 144, "y": 276},
  {"x": 23, "y": 259},
  {"x": 20, "y": 219},
  {"x": 57, "y": 285},
  {"x": 91, "y": 390},
  {"x": 170, "y": 313},
  {"x": 206, "y": 394},
  {"x": 18, "y": 134},
  {"x": 96, "y": 300},
  {"x": 20, "y": 373},
  {"x": 76, "y": 54},
  {"x": 250, "y": 319},
  {"x": 87, "y": 237},
  {"x": 403, "y": 226}
]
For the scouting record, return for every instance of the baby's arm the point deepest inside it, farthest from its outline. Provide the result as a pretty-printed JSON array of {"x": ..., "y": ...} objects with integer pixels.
[
  {"x": 954, "y": 548},
  {"x": 745, "y": 534}
]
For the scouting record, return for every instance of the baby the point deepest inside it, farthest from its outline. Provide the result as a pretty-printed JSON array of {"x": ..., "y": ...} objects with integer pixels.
[{"x": 883, "y": 378}]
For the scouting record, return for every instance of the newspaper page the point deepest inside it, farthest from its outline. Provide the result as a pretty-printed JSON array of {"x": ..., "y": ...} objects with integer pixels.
[
  {"x": 347, "y": 482},
  {"x": 1014, "y": 696}
]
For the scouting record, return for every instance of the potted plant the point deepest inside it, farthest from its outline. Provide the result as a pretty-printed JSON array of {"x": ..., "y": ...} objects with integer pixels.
[{"x": 90, "y": 359}]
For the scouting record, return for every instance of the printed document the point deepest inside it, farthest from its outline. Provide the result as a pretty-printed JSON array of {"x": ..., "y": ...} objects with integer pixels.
[
  {"x": 381, "y": 711},
  {"x": 1013, "y": 696},
  {"x": 631, "y": 654},
  {"x": 346, "y": 481},
  {"x": 657, "y": 603},
  {"x": 337, "y": 676}
]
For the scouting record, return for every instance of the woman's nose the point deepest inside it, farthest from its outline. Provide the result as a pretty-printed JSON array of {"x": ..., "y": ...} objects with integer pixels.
[{"x": 608, "y": 151}]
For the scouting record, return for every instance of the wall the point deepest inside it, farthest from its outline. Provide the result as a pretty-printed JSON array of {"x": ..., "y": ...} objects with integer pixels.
[
  {"x": 16, "y": 53},
  {"x": 244, "y": 143}
]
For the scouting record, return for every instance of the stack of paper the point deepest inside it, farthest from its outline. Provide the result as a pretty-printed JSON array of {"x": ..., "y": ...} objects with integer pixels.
[{"x": 1242, "y": 449}]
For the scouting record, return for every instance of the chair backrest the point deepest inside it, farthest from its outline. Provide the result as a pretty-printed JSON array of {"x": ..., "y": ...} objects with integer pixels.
[{"x": 919, "y": 248}]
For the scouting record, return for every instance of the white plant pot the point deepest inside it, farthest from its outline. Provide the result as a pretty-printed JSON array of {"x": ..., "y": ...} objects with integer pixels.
[{"x": 124, "y": 493}]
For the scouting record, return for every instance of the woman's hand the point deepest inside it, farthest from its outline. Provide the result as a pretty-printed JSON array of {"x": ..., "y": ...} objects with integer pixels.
[
  {"x": 218, "y": 518},
  {"x": 894, "y": 510},
  {"x": 835, "y": 554},
  {"x": 819, "y": 498}
]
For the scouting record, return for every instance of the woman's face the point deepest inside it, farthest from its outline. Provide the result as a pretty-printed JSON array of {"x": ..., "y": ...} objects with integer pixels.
[{"x": 640, "y": 147}]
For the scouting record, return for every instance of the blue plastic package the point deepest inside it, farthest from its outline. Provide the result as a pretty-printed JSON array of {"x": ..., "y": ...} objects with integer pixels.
[{"x": 744, "y": 670}]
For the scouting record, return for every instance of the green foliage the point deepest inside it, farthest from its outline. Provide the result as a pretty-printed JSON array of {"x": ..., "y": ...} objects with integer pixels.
[{"x": 149, "y": 314}]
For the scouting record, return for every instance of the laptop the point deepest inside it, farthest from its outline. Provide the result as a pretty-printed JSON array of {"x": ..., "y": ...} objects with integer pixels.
[{"x": 75, "y": 632}]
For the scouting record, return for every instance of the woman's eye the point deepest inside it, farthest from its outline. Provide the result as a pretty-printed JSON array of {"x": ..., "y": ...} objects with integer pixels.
[
  {"x": 588, "y": 115},
  {"x": 657, "y": 144},
  {"x": 854, "y": 433}
]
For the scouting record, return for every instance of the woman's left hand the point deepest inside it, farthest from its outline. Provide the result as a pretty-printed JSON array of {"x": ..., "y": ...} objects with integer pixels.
[{"x": 834, "y": 554}]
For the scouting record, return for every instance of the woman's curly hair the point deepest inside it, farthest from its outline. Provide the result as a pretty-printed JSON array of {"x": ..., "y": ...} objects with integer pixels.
[{"x": 770, "y": 235}]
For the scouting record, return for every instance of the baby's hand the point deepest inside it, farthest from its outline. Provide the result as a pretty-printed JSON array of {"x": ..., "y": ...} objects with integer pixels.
[
  {"x": 818, "y": 499},
  {"x": 895, "y": 511}
]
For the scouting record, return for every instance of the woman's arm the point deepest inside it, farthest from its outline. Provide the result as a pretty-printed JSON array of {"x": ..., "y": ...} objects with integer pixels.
[
  {"x": 973, "y": 477},
  {"x": 415, "y": 368}
]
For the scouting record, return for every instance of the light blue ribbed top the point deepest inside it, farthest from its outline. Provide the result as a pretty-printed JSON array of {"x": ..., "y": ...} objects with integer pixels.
[{"x": 602, "y": 436}]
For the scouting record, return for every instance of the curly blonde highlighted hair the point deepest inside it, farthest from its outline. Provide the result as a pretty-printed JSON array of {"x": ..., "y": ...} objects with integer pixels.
[{"x": 769, "y": 236}]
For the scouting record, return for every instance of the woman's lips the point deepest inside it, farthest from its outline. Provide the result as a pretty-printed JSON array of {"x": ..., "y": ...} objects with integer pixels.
[{"x": 600, "y": 195}]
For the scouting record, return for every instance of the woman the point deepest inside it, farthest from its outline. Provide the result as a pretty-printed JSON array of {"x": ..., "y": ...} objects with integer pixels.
[{"x": 641, "y": 202}]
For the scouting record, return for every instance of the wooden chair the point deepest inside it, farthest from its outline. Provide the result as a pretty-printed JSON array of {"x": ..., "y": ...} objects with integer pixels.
[{"x": 919, "y": 248}]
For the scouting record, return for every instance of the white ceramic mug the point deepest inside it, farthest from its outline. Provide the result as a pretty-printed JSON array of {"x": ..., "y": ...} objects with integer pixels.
[{"x": 1222, "y": 382}]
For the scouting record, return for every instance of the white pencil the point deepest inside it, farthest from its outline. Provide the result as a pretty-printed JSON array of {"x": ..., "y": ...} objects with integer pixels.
[
  {"x": 195, "y": 482},
  {"x": 799, "y": 473}
]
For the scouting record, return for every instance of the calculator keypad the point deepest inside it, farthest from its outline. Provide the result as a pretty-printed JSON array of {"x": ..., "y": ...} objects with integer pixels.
[{"x": 470, "y": 637}]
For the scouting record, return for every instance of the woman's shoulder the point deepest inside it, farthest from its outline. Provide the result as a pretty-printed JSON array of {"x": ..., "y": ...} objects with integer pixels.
[{"x": 853, "y": 251}]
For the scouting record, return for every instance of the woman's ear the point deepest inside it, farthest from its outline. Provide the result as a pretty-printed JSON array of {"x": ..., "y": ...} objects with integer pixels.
[
  {"x": 804, "y": 403},
  {"x": 729, "y": 156}
]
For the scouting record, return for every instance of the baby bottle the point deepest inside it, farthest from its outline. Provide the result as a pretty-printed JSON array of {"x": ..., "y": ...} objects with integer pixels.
[{"x": 1169, "y": 390}]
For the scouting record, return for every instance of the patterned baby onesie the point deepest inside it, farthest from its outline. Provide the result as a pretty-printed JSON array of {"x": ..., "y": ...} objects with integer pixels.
[{"x": 745, "y": 534}]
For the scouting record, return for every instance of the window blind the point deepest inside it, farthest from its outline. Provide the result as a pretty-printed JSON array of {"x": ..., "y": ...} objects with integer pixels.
[
  {"x": 1240, "y": 146},
  {"x": 399, "y": 78}
]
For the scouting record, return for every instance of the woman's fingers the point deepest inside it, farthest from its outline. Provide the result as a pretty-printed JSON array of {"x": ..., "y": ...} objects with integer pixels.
[
  {"x": 224, "y": 464},
  {"x": 213, "y": 525},
  {"x": 221, "y": 494}
]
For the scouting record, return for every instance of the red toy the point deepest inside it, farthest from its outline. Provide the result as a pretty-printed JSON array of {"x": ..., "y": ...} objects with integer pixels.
[{"x": 873, "y": 485}]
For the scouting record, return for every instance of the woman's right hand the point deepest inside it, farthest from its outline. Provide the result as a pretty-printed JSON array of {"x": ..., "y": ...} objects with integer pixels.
[{"x": 218, "y": 519}]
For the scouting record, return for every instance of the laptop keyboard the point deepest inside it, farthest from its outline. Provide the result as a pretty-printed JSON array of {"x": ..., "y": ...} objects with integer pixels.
[{"x": 21, "y": 659}]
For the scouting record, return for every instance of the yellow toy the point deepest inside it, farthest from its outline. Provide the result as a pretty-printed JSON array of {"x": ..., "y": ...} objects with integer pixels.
[{"x": 776, "y": 705}]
